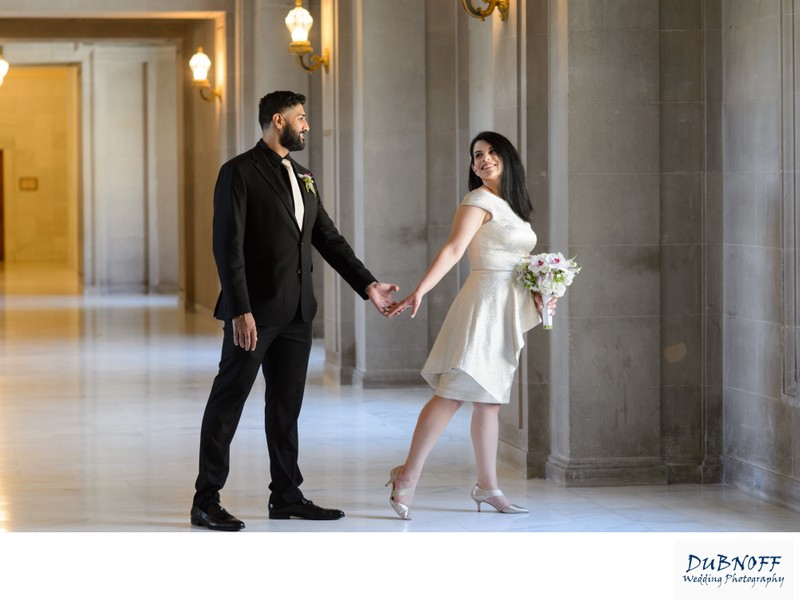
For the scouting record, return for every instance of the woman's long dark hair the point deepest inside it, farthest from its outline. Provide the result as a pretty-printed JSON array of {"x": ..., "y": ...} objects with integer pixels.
[{"x": 513, "y": 187}]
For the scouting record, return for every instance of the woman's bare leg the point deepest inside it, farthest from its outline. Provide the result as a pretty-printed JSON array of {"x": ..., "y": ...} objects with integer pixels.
[
  {"x": 485, "y": 431},
  {"x": 432, "y": 420}
]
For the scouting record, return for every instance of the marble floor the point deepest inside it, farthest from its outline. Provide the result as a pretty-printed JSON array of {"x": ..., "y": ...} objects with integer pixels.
[{"x": 100, "y": 405}]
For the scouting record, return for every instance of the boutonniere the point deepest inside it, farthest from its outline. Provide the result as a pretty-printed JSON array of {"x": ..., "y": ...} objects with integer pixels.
[{"x": 308, "y": 179}]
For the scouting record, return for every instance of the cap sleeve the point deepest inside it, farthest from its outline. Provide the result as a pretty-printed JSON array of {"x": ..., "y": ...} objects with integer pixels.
[{"x": 482, "y": 199}]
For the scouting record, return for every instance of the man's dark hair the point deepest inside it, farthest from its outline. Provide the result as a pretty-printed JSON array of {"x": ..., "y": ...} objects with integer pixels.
[
  {"x": 512, "y": 180},
  {"x": 275, "y": 102}
]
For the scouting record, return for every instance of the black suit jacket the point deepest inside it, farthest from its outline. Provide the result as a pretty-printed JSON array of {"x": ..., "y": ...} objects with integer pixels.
[{"x": 263, "y": 259}]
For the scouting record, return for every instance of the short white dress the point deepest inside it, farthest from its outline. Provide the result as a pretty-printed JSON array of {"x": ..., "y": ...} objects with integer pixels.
[{"x": 477, "y": 350}]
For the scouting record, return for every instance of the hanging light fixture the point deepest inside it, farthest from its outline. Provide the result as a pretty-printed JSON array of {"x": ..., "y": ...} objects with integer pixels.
[
  {"x": 482, "y": 13},
  {"x": 200, "y": 64},
  {"x": 299, "y": 22},
  {"x": 3, "y": 66}
]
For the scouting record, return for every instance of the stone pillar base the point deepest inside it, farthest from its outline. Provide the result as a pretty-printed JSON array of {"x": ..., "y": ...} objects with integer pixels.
[
  {"x": 643, "y": 471},
  {"x": 374, "y": 379},
  {"x": 694, "y": 473},
  {"x": 529, "y": 464},
  {"x": 335, "y": 374},
  {"x": 514, "y": 458}
]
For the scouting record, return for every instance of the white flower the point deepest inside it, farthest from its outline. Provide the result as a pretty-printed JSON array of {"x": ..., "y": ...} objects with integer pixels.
[
  {"x": 547, "y": 273},
  {"x": 559, "y": 261}
]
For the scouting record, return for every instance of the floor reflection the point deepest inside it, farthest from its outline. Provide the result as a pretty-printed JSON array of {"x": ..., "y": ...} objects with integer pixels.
[{"x": 100, "y": 405}]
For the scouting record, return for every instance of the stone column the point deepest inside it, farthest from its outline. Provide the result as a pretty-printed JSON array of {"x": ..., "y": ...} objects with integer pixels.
[
  {"x": 691, "y": 191},
  {"x": 526, "y": 428},
  {"x": 376, "y": 169},
  {"x": 604, "y": 208}
]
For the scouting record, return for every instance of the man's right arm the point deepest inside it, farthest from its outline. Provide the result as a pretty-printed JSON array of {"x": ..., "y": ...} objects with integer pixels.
[{"x": 230, "y": 211}]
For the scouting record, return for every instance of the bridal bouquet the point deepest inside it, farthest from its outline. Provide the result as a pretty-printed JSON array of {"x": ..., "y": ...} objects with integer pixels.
[{"x": 548, "y": 274}]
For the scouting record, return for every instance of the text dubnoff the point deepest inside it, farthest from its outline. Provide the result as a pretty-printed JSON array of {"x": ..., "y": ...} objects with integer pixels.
[
  {"x": 732, "y": 569},
  {"x": 721, "y": 569}
]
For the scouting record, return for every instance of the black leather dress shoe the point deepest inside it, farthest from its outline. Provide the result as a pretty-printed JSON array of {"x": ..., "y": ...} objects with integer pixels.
[
  {"x": 216, "y": 518},
  {"x": 304, "y": 509}
]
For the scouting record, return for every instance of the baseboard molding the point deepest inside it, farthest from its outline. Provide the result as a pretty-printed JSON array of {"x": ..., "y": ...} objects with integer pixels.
[
  {"x": 638, "y": 471},
  {"x": 761, "y": 483}
]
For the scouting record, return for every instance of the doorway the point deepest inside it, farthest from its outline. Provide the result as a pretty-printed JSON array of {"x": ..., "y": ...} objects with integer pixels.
[
  {"x": 104, "y": 205},
  {"x": 38, "y": 122}
]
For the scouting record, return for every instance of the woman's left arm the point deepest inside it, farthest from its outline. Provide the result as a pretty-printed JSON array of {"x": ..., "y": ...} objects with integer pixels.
[{"x": 466, "y": 224}]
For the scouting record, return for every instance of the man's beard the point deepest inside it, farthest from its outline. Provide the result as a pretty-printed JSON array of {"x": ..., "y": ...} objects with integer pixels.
[{"x": 291, "y": 139}]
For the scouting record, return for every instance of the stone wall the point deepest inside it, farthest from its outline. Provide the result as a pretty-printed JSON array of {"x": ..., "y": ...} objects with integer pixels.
[{"x": 761, "y": 421}]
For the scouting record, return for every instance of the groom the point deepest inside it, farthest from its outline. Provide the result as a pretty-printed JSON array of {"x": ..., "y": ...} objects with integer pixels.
[{"x": 267, "y": 216}]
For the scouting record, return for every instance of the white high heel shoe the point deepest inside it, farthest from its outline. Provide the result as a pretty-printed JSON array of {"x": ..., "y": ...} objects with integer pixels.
[
  {"x": 480, "y": 495},
  {"x": 402, "y": 510}
]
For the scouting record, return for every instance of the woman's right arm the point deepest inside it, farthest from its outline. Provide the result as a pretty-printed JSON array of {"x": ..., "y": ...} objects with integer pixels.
[{"x": 466, "y": 224}]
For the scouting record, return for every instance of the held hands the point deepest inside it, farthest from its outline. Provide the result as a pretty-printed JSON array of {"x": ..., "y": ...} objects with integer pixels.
[
  {"x": 414, "y": 300},
  {"x": 380, "y": 293}
]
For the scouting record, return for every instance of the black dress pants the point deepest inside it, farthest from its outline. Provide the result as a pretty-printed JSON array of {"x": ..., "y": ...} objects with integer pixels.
[{"x": 282, "y": 354}]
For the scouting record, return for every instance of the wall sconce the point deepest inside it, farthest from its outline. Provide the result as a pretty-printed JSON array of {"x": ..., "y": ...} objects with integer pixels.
[
  {"x": 482, "y": 13},
  {"x": 299, "y": 22},
  {"x": 200, "y": 64},
  {"x": 3, "y": 66}
]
